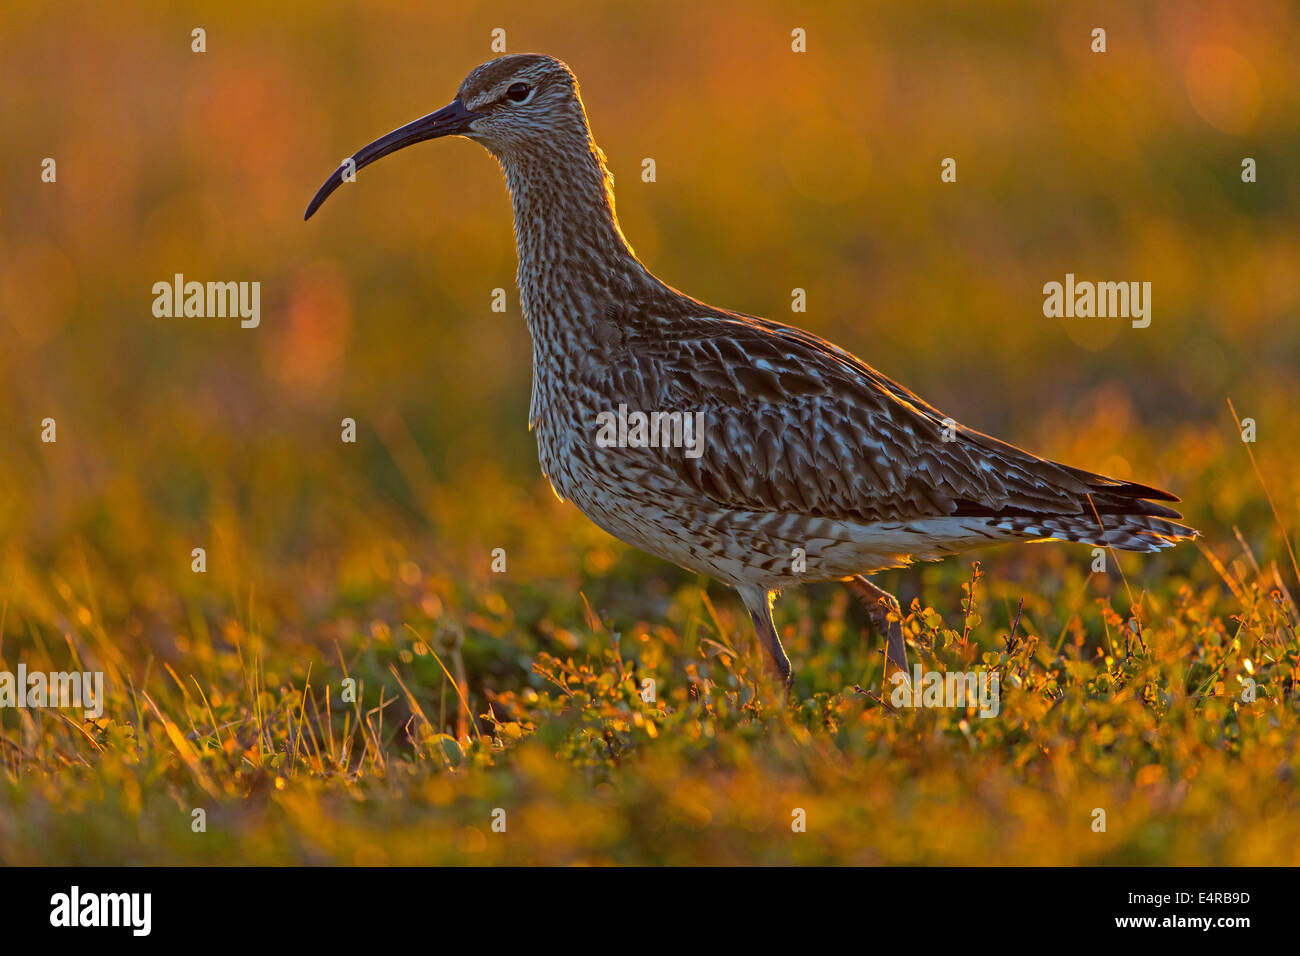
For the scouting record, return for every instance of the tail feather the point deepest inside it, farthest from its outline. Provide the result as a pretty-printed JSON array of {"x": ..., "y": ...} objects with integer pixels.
[
  {"x": 1117, "y": 487},
  {"x": 1128, "y": 532}
]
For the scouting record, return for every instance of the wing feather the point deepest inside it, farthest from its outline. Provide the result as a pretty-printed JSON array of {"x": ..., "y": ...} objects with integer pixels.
[{"x": 797, "y": 424}]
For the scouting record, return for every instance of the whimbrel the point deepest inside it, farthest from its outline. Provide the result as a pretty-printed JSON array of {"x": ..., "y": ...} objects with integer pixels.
[{"x": 813, "y": 466}]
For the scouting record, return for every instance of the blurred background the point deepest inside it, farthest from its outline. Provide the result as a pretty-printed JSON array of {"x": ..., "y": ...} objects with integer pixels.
[{"x": 775, "y": 170}]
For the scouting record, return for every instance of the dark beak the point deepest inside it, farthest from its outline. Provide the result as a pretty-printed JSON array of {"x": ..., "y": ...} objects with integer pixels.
[{"x": 451, "y": 120}]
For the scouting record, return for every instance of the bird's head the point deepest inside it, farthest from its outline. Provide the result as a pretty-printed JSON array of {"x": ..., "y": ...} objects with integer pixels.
[{"x": 510, "y": 105}]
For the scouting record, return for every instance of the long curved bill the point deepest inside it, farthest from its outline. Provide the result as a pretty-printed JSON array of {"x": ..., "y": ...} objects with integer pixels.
[{"x": 448, "y": 121}]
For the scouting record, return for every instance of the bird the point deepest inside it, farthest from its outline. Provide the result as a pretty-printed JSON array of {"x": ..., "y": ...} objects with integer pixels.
[{"x": 807, "y": 464}]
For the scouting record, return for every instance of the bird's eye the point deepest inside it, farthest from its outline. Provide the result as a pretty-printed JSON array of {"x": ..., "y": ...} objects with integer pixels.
[{"x": 519, "y": 92}]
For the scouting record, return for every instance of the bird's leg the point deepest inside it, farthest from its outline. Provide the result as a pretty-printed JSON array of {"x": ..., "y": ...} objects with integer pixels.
[
  {"x": 759, "y": 604},
  {"x": 879, "y": 604}
]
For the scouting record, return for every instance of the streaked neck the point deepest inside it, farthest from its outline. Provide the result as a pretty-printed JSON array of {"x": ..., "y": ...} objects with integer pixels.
[{"x": 573, "y": 257}]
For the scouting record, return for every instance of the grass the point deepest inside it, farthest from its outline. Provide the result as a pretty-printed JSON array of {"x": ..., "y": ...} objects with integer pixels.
[{"x": 479, "y": 692}]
